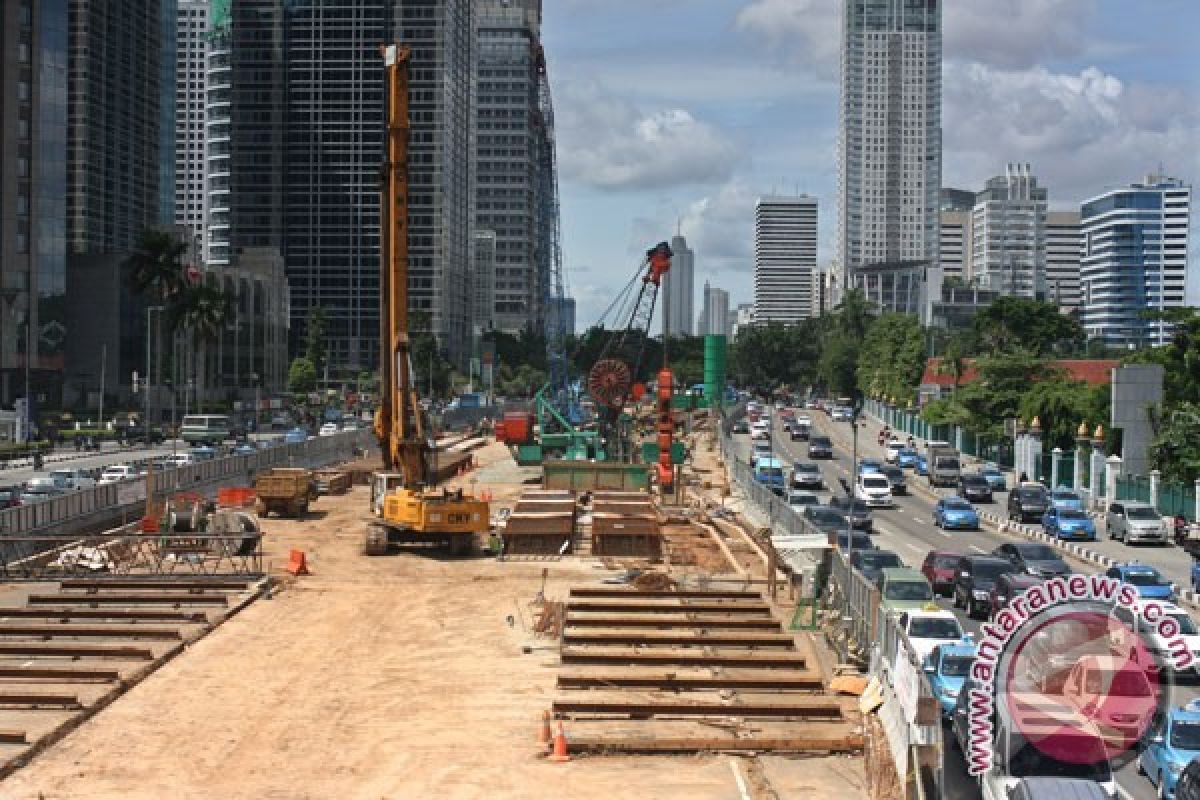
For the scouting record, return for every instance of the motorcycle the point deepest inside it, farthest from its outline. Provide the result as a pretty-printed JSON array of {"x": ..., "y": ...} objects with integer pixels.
[{"x": 1186, "y": 532}]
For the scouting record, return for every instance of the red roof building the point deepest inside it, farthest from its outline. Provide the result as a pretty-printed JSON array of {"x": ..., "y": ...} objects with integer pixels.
[{"x": 1092, "y": 371}]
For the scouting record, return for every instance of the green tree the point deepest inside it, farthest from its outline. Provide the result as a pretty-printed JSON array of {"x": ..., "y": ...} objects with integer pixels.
[
  {"x": 1176, "y": 448},
  {"x": 1011, "y": 324},
  {"x": 1060, "y": 404},
  {"x": 156, "y": 264},
  {"x": 302, "y": 376},
  {"x": 1180, "y": 358},
  {"x": 995, "y": 395},
  {"x": 954, "y": 361},
  {"x": 892, "y": 358},
  {"x": 316, "y": 350},
  {"x": 203, "y": 311}
]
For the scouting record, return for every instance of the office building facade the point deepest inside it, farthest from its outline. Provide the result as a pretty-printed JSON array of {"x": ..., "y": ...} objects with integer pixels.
[
  {"x": 1064, "y": 246},
  {"x": 33, "y": 153},
  {"x": 954, "y": 237},
  {"x": 890, "y": 148},
  {"x": 714, "y": 314},
  {"x": 678, "y": 291},
  {"x": 191, "y": 67},
  {"x": 563, "y": 307},
  {"x": 1008, "y": 235},
  {"x": 1134, "y": 259},
  {"x": 785, "y": 258}
]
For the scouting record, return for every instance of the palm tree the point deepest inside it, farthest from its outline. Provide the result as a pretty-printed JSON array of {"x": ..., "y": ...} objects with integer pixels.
[
  {"x": 156, "y": 264},
  {"x": 203, "y": 310},
  {"x": 954, "y": 361}
]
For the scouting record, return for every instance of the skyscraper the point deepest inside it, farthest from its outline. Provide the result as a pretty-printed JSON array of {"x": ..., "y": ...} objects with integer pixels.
[
  {"x": 191, "y": 48},
  {"x": 1064, "y": 245},
  {"x": 714, "y": 316},
  {"x": 785, "y": 258},
  {"x": 890, "y": 147},
  {"x": 33, "y": 153},
  {"x": 1135, "y": 258},
  {"x": 679, "y": 290},
  {"x": 954, "y": 250},
  {"x": 514, "y": 181},
  {"x": 1008, "y": 231}
]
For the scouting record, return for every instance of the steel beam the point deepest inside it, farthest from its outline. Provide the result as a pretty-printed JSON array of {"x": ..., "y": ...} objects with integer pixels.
[
  {"x": 60, "y": 674},
  {"x": 39, "y": 700},
  {"x": 634, "y": 657},
  {"x": 731, "y": 639},
  {"x": 826, "y": 743},
  {"x": 12, "y": 737},
  {"x": 692, "y": 621},
  {"x": 140, "y": 614},
  {"x": 130, "y": 599},
  {"x": 731, "y": 607},
  {"x": 823, "y": 709},
  {"x": 671, "y": 681},
  {"x": 75, "y": 650},
  {"x": 641, "y": 594},
  {"x": 89, "y": 631},
  {"x": 188, "y": 582}
]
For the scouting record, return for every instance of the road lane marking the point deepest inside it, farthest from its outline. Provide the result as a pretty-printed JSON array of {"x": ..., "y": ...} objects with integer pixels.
[{"x": 978, "y": 549}]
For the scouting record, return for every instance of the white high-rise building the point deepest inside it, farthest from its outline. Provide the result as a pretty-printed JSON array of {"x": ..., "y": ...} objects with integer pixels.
[
  {"x": 954, "y": 240},
  {"x": 1008, "y": 235},
  {"x": 1064, "y": 245},
  {"x": 743, "y": 317},
  {"x": 785, "y": 258},
  {"x": 679, "y": 290},
  {"x": 890, "y": 149},
  {"x": 714, "y": 317},
  {"x": 191, "y": 52},
  {"x": 1135, "y": 259}
]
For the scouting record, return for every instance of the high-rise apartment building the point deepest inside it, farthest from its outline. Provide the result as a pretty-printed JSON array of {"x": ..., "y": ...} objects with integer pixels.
[
  {"x": 954, "y": 248},
  {"x": 33, "y": 155},
  {"x": 1008, "y": 235},
  {"x": 785, "y": 258},
  {"x": 678, "y": 291},
  {"x": 1064, "y": 246},
  {"x": 483, "y": 280},
  {"x": 890, "y": 149},
  {"x": 563, "y": 307},
  {"x": 1135, "y": 259},
  {"x": 714, "y": 315},
  {"x": 743, "y": 317},
  {"x": 514, "y": 181},
  {"x": 191, "y": 65}
]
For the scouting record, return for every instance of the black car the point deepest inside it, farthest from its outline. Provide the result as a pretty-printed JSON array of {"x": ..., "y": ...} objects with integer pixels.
[
  {"x": 10, "y": 497},
  {"x": 1033, "y": 558},
  {"x": 741, "y": 426},
  {"x": 1028, "y": 502},
  {"x": 871, "y": 563},
  {"x": 895, "y": 477},
  {"x": 820, "y": 447},
  {"x": 800, "y": 431},
  {"x": 806, "y": 475},
  {"x": 136, "y": 434},
  {"x": 975, "y": 487},
  {"x": 858, "y": 512},
  {"x": 1008, "y": 586},
  {"x": 975, "y": 578},
  {"x": 1188, "y": 787},
  {"x": 854, "y": 541},
  {"x": 825, "y": 519}
]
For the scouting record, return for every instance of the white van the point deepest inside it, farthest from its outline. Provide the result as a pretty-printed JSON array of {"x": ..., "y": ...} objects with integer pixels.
[
  {"x": 71, "y": 479},
  {"x": 210, "y": 429}
]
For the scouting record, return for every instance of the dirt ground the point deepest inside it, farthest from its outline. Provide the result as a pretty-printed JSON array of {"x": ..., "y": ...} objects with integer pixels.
[{"x": 394, "y": 677}]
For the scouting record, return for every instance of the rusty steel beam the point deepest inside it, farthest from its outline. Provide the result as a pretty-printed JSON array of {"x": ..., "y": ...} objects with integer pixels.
[
  {"x": 732, "y": 607},
  {"x": 673, "y": 682},
  {"x": 823, "y": 710},
  {"x": 850, "y": 742},
  {"x": 152, "y": 583},
  {"x": 12, "y": 737},
  {"x": 60, "y": 674},
  {"x": 39, "y": 700},
  {"x": 75, "y": 650},
  {"x": 692, "y": 621},
  {"x": 88, "y": 631},
  {"x": 137, "y": 614},
  {"x": 639, "y": 594},
  {"x": 729, "y": 639},
  {"x": 749, "y": 660},
  {"x": 129, "y": 599}
]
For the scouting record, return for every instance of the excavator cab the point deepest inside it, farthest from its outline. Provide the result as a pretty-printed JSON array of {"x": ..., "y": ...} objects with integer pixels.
[{"x": 381, "y": 484}]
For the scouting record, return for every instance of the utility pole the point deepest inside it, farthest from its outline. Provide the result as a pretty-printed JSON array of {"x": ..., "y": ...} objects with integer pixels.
[
  {"x": 103, "y": 365},
  {"x": 28, "y": 361},
  {"x": 146, "y": 382}
]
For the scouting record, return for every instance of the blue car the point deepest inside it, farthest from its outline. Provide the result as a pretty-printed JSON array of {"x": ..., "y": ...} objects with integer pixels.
[
  {"x": 295, "y": 436},
  {"x": 1173, "y": 743},
  {"x": 1064, "y": 499},
  {"x": 907, "y": 458},
  {"x": 955, "y": 512},
  {"x": 922, "y": 467},
  {"x": 947, "y": 667},
  {"x": 1148, "y": 581},
  {"x": 1196, "y": 575},
  {"x": 1069, "y": 523},
  {"x": 869, "y": 465},
  {"x": 994, "y": 477}
]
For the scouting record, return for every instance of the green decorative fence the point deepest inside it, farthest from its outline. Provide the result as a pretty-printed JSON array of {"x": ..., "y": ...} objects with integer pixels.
[{"x": 1173, "y": 498}]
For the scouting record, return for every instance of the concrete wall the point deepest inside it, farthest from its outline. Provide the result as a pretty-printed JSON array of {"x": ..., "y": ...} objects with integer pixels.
[{"x": 1135, "y": 389}]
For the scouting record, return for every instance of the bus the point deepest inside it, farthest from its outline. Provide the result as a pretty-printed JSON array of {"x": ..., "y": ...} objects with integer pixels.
[{"x": 209, "y": 429}]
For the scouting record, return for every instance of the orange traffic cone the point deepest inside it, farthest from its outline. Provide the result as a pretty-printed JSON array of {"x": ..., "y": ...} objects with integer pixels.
[
  {"x": 297, "y": 563},
  {"x": 544, "y": 735},
  {"x": 560, "y": 746}
]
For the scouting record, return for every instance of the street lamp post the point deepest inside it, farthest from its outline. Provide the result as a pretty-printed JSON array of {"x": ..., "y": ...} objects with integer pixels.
[
  {"x": 257, "y": 404},
  {"x": 146, "y": 382}
]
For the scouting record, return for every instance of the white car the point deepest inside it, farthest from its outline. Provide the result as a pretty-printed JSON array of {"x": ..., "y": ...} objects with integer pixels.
[
  {"x": 72, "y": 479},
  {"x": 117, "y": 473},
  {"x": 892, "y": 451},
  {"x": 328, "y": 429},
  {"x": 1121, "y": 637},
  {"x": 874, "y": 489},
  {"x": 759, "y": 430},
  {"x": 927, "y": 629},
  {"x": 180, "y": 460}
]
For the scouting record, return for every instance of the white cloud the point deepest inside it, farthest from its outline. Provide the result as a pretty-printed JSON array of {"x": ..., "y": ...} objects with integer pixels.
[
  {"x": 607, "y": 142},
  {"x": 1081, "y": 132},
  {"x": 1005, "y": 33}
]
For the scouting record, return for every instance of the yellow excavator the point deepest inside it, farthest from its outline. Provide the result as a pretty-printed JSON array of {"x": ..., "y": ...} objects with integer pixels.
[{"x": 407, "y": 507}]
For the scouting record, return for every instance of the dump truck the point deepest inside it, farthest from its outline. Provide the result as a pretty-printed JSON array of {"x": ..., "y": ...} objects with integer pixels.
[{"x": 286, "y": 491}]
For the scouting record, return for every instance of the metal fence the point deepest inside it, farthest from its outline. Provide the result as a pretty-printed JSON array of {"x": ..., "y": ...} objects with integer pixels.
[
  {"x": 110, "y": 498},
  {"x": 1173, "y": 498}
]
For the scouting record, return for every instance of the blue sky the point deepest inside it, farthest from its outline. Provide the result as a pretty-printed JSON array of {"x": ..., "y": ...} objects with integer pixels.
[{"x": 681, "y": 112}]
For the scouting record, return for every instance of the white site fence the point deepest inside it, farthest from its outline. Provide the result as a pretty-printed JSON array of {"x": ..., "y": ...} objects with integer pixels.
[{"x": 910, "y": 714}]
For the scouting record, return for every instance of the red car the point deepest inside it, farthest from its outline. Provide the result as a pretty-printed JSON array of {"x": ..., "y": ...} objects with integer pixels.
[{"x": 938, "y": 568}]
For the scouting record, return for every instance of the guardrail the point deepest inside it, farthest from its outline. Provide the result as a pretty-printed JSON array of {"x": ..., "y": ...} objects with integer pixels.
[
  {"x": 39, "y": 518},
  {"x": 910, "y": 714}
]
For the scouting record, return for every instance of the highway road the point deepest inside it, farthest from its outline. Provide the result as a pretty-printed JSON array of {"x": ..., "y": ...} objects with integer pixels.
[{"x": 908, "y": 531}]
